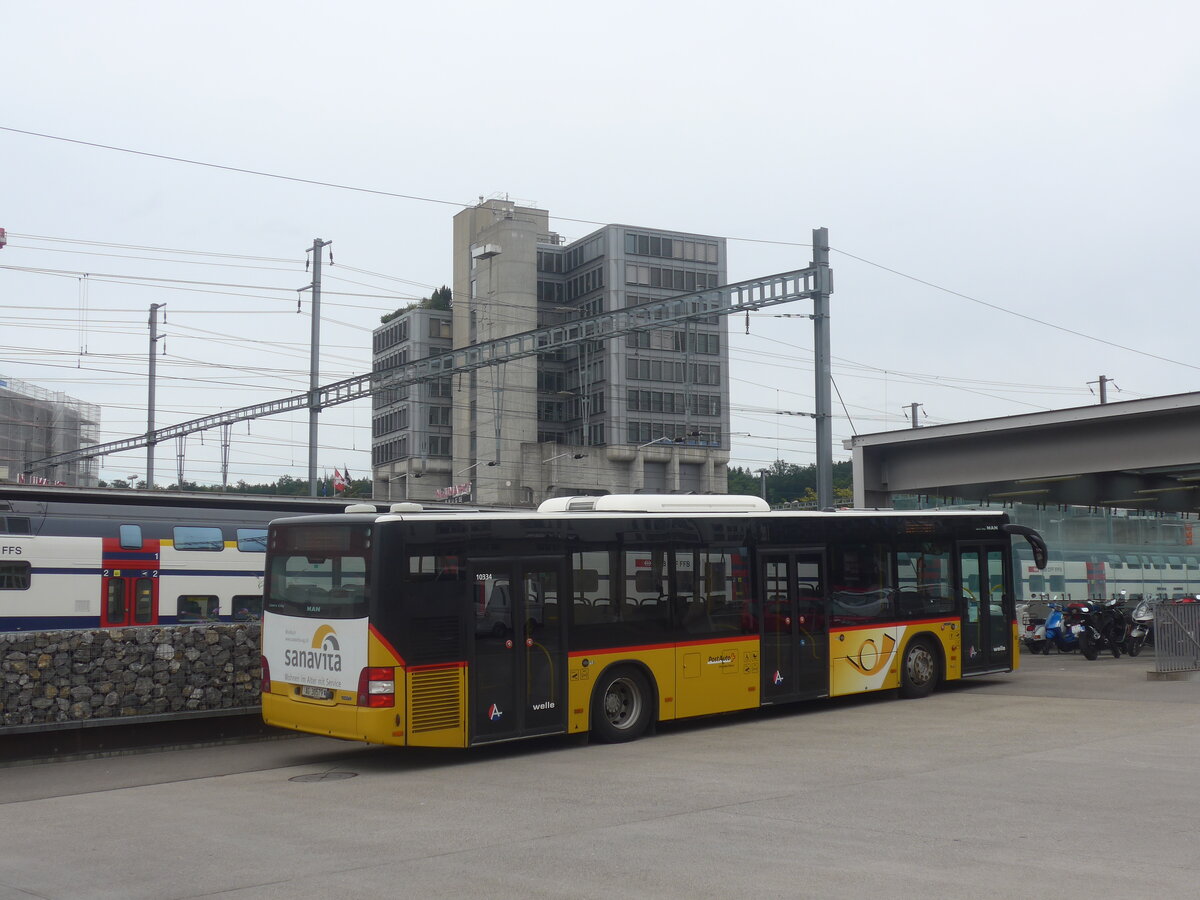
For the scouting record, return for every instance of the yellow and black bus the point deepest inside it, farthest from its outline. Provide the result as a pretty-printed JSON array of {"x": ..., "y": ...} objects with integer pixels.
[{"x": 609, "y": 614}]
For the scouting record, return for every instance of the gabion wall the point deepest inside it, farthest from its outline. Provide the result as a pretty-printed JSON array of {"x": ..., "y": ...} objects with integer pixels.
[{"x": 71, "y": 676}]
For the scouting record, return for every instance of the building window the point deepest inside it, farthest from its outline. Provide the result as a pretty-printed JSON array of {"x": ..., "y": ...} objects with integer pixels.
[
  {"x": 551, "y": 291},
  {"x": 389, "y": 451},
  {"x": 671, "y": 371},
  {"x": 669, "y": 278},
  {"x": 671, "y": 248},
  {"x": 440, "y": 328},
  {"x": 439, "y": 446},
  {"x": 439, "y": 415},
  {"x": 550, "y": 411},
  {"x": 396, "y": 420}
]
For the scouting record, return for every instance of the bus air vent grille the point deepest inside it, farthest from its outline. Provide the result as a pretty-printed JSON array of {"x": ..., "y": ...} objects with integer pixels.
[{"x": 436, "y": 699}]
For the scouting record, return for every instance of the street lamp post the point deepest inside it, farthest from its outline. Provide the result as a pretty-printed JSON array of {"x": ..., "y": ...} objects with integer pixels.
[{"x": 561, "y": 455}]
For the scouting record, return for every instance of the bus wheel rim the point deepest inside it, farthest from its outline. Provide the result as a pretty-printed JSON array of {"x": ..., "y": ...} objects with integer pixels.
[
  {"x": 622, "y": 703},
  {"x": 920, "y": 665}
]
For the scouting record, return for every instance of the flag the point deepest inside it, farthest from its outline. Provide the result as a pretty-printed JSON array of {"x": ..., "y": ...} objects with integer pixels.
[
  {"x": 346, "y": 475},
  {"x": 339, "y": 483}
]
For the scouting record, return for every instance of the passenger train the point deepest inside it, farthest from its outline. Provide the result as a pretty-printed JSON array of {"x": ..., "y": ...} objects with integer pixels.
[
  {"x": 88, "y": 558},
  {"x": 1078, "y": 574}
]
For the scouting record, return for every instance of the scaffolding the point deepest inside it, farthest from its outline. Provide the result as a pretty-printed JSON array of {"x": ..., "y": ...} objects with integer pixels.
[{"x": 36, "y": 423}]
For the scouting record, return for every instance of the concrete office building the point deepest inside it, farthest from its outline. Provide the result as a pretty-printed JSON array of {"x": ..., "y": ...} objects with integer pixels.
[
  {"x": 646, "y": 412},
  {"x": 36, "y": 423},
  {"x": 411, "y": 433}
]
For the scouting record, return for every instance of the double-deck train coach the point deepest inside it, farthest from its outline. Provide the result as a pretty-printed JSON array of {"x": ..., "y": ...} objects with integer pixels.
[{"x": 87, "y": 558}]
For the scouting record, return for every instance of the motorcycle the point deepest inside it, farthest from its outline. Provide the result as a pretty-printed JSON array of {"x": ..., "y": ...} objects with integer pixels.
[
  {"x": 1100, "y": 625},
  {"x": 1033, "y": 636},
  {"x": 1142, "y": 625}
]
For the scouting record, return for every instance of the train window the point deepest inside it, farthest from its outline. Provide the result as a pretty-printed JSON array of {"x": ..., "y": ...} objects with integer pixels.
[
  {"x": 143, "y": 601},
  {"x": 131, "y": 537},
  {"x": 196, "y": 608},
  {"x": 252, "y": 540},
  {"x": 14, "y": 576},
  {"x": 198, "y": 537},
  {"x": 247, "y": 607},
  {"x": 116, "y": 600},
  {"x": 15, "y": 525}
]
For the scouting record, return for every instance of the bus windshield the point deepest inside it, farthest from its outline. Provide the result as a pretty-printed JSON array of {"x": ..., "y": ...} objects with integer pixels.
[{"x": 319, "y": 571}]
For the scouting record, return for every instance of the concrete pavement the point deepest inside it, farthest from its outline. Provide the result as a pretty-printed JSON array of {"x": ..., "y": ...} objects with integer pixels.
[{"x": 1068, "y": 779}]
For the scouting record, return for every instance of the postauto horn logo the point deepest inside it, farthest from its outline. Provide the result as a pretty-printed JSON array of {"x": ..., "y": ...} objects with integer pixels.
[{"x": 325, "y": 655}]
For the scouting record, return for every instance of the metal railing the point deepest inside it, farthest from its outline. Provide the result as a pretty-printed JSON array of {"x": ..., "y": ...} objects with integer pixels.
[{"x": 1177, "y": 637}]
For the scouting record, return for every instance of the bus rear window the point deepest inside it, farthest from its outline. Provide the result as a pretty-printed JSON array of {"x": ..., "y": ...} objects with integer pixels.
[{"x": 319, "y": 571}]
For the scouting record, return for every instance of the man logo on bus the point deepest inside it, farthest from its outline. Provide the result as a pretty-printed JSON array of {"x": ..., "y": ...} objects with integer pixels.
[
  {"x": 494, "y": 713},
  {"x": 326, "y": 639}
]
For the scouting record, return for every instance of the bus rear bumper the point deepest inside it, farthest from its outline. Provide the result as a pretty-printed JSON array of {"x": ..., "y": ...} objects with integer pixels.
[{"x": 350, "y": 723}]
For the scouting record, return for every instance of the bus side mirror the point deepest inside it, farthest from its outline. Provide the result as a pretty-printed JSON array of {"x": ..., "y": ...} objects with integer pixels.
[{"x": 1036, "y": 543}]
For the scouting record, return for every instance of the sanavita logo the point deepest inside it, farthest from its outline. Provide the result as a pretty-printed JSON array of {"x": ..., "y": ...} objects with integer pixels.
[
  {"x": 325, "y": 638},
  {"x": 326, "y": 655}
]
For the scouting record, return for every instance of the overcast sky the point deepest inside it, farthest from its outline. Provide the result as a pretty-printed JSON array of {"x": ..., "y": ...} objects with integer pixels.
[{"x": 1010, "y": 191}]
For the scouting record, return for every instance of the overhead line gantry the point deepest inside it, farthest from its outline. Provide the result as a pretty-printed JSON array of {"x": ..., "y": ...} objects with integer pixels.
[{"x": 812, "y": 283}]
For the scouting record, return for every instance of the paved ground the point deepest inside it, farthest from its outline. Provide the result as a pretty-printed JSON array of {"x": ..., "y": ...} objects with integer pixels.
[{"x": 1067, "y": 779}]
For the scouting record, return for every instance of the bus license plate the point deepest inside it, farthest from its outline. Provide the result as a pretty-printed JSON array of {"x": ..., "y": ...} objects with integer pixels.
[{"x": 316, "y": 693}]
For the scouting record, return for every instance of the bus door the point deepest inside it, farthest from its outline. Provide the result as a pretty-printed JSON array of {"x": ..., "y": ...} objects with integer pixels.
[
  {"x": 129, "y": 598},
  {"x": 793, "y": 626},
  {"x": 987, "y": 607},
  {"x": 518, "y": 684}
]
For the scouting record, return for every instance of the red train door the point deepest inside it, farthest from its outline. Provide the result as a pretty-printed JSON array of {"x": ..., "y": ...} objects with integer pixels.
[{"x": 128, "y": 584}]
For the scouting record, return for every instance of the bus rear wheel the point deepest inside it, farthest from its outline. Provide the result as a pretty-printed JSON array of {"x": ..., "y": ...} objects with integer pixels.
[
  {"x": 918, "y": 669},
  {"x": 621, "y": 706}
]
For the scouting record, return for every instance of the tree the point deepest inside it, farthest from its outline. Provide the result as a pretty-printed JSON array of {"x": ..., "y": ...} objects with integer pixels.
[
  {"x": 743, "y": 481},
  {"x": 442, "y": 298},
  {"x": 788, "y": 481}
]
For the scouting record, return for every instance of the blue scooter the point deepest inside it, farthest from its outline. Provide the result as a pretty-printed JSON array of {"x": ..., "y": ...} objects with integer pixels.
[{"x": 1058, "y": 632}]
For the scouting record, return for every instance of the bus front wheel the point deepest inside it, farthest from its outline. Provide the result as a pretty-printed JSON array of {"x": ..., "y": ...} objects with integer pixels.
[
  {"x": 918, "y": 669},
  {"x": 621, "y": 706}
]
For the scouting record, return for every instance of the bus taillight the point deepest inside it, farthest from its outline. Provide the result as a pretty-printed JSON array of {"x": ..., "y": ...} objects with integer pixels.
[
  {"x": 266, "y": 676},
  {"x": 377, "y": 687}
]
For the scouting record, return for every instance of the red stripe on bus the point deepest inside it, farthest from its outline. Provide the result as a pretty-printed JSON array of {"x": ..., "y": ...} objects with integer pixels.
[
  {"x": 457, "y": 664},
  {"x": 387, "y": 645},
  {"x": 640, "y": 648},
  {"x": 894, "y": 624}
]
